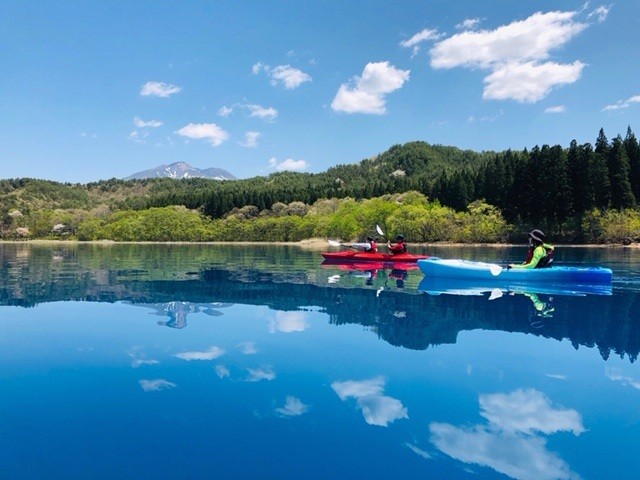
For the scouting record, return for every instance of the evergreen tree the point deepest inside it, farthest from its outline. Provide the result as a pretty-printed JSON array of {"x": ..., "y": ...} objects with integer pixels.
[
  {"x": 633, "y": 153},
  {"x": 599, "y": 175},
  {"x": 618, "y": 164}
]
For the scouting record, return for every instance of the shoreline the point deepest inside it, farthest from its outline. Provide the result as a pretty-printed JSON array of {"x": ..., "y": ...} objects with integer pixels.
[{"x": 312, "y": 244}]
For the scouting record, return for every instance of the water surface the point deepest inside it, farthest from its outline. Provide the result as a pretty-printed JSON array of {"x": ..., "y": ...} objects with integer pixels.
[{"x": 203, "y": 361}]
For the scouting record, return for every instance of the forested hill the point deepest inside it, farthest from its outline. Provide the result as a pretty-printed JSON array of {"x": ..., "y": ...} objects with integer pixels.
[{"x": 551, "y": 187}]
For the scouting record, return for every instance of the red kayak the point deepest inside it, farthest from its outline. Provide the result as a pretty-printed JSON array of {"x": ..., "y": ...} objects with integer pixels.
[
  {"x": 351, "y": 256},
  {"x": 369, "y": 266}
]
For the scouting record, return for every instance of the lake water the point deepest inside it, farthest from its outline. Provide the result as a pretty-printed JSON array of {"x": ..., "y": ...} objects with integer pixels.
[{"x": 208, "y": 361}]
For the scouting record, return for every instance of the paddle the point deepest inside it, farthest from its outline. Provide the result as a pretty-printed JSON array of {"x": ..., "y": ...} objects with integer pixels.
[
  {"x": 380, "y": 232},
  {"x": 497, "y": 269},
  {"x": 335, "y": 243}
]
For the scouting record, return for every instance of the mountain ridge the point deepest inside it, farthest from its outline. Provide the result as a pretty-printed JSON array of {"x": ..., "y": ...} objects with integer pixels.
[{"x": 182, "y": 170}]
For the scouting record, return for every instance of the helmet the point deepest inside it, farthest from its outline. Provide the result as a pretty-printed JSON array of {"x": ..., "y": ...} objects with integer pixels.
[
  {"x": 400, "y": 237},
  {"x": 369, "y": 239},
  {"x": 537, "y": 235}
]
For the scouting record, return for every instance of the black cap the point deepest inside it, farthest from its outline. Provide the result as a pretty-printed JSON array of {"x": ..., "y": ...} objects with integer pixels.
[
  {"x": 369, "y": 239},
  {"x": 537, "y": 235},
  {"x": 400, "y": 237}
]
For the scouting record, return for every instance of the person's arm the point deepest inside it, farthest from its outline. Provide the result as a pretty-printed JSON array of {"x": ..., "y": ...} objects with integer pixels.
[{"x": 538, "y": 253}]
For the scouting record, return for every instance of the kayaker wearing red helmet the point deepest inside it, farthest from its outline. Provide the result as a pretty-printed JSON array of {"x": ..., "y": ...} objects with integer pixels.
[{"x": 539, "y": 255}]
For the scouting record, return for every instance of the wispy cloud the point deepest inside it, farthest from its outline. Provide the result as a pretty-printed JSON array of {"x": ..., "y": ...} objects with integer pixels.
[
  {"x": 210, "y": 132},
  {"x": 516, "y": 55},
  {"x": 288, "y": 164},
  {"x": 222, "y": 371},
  {"x": 555, "y": 109},
  {"x": 620, "y": 104},
  {"x": 468, "y": 24},
  {"x": 251, "y": 139},
  {"x": 265, "y": 113},
  {"x": 615, "y": 375},
  {"x": 159, "y": 89},
  {"x": 600, "y": 13},
  {"x": 423, "y": 36},
  {"x": 288, "y": 322},
  {"x": 210, "y": 354},
  {"x": 225, "y": 111},
  {"x": 138, "y": 122},
  {"x": 293, "y": 407},
  {"x": 259, "y": 374},
  {"x": 367, "y": 93},
  {"x": 286, "y": 75},
  {"x": 156, "y": 385},
  {"x": 248, "y": 348},
  {"x": 377, "y": 408}
]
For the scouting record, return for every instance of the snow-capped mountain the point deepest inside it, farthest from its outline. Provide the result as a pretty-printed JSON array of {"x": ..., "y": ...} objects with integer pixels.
[{"x": 182, "y": 170}]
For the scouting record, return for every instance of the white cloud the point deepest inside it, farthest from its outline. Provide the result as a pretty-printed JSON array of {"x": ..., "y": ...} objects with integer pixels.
[
  {"x": 268, "y": 114},
  {"x": 615, "y": 375},
  {"x": 137, "y": 362},
  {"x": 204, "y": 131},
  {"x": 248, "y": 348},
  {"x": 156, "y": 385},
  {"x": 522, "y": 458},
  {"x": 251, "y": 139},
  {"x": 418, "y": 451},
  {"x": 288, "y": 164},
  {"x": 377, "y": 409},
  {"x": 620, "y": 104},
  {"x": 258, "y": 374},
  {"x": 289, "y": 76},
  {"x": 210, "y": 354},
  {"x": 159, "y": 89},
  {"x": 528, "y": 40},
  {"x": 225, "y": 111},
  {"x": 257, "y": 67},
  {"x": 555, "y": 109},
  {"x": 422, "y": 36},
  {"x": 511, "y": 443},
  {"x": 222, "y": 371},
  {"x": 138, "y": 122},
  {"x": 468, "y": 24},
  {"x": 288, "y": 322},
  {"x": 601, "y": 12},
  {"x": 516, "y": 54},
  {"x": 528, "y": 411},
  {"x": 367, "y": 93},
  {"x": 293, "y": 407},
  {"x": 529, "y": 82}
]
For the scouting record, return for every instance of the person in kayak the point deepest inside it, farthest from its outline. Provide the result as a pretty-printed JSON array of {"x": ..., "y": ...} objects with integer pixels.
[
  {"x": 369, "y": 246},
  {"x": 398, "y": 247},
  {"x": 539, "y": 255}
]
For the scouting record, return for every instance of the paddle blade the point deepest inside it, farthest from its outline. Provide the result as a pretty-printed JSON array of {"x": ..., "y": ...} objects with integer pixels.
[
  {"x": 495, "y": 270},
  {"x": 379, "y": 230},
  {"x": 334, "y": 243}
]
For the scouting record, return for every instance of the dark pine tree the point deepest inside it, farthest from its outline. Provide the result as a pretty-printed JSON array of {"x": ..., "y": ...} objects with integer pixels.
[
  {"x": 633, "y": 153},
  {"x": 600, "y": 172},
  {"x": 618, "y": 164}
]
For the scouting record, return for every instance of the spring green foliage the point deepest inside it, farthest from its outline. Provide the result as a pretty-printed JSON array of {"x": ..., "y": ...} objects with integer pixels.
[{"x": 428, "y": 192}]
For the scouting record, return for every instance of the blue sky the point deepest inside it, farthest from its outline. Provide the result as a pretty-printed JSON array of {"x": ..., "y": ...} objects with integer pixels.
[{"x": 92, "y": 90}]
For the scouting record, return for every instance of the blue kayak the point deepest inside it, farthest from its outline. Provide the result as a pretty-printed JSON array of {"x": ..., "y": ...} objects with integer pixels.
[{"x": 434, "y": 267}]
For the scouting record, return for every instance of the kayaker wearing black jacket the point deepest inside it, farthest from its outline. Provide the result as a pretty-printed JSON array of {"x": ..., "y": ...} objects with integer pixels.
[{"x": 539, "y": 255}]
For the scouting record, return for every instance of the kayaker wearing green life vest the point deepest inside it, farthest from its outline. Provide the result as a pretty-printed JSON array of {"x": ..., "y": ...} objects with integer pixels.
[{"x": 539, "y": 255}]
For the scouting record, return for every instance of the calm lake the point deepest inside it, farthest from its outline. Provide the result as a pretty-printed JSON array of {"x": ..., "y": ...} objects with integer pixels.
[{"x": 210, "y": 361}]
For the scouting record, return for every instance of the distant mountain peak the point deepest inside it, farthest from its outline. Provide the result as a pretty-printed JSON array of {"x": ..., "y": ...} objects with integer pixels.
[{"x": 182, "y": 170}]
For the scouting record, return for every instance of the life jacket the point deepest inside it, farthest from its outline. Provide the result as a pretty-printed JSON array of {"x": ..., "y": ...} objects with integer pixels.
[{"x": 544, "y": 261}]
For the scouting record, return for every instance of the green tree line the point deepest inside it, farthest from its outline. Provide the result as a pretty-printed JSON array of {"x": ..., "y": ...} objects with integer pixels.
[{"x": 576, "y": 194}]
